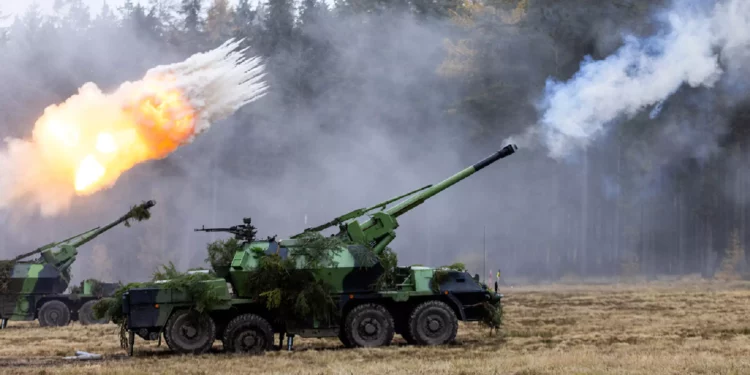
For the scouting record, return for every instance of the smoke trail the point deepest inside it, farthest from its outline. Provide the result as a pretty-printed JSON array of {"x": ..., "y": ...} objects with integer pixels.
[
  {"x": 84, "y": 144},
  {"x": 644, "y": 72}
]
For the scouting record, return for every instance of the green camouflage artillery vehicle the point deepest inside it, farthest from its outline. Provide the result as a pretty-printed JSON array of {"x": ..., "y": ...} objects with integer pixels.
[
  {"x": 423, "y": 304},
  {"x": 35, "y": 289}
]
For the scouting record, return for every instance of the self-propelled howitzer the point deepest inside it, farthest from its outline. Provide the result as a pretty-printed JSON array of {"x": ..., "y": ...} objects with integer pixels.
[
  {"x": 34, "y": 289},
  {"x": 421, "y": 304}
]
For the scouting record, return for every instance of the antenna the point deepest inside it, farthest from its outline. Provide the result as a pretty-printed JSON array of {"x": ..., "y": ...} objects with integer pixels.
[{"x": 484, "y": 249}]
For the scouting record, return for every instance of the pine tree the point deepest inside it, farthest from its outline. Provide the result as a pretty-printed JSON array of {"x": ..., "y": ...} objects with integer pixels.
[
  {"x": 106, "y": 17},
  {"x": 279, "y": 27},
  {"x": 191, "y": 10},
  {"x": 3, "y": 30},
  {"x": 76, "y": 18},
  {"x": 244, "y": 23},
  {"x": 309, "y": 13},
  {"x": 219, "y": 21},
  {"x": 193, "y": 37}
]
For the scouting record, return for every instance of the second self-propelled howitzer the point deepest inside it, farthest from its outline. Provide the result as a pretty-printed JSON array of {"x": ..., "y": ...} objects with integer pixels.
[
  {"x": 34, "y": 289},
  {"x": 422, "y": 304}
]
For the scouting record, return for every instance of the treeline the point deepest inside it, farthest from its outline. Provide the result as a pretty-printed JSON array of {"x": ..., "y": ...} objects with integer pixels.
[{"x": 440, "y": 73}]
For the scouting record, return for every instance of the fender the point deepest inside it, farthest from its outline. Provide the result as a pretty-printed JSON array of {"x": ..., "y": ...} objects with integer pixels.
[{"x": 456, "y": 305}]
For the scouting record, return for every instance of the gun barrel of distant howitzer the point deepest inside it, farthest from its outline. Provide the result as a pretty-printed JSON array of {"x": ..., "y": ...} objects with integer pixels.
[
  {"x": 51, "y": 245},
  {"x": 111, "y": 225},
  {"x": 418, "y": 199}
]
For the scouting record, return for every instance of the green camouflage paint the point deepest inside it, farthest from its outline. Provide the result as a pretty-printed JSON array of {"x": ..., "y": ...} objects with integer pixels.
[
  {"x": 152, "y": 311},
  {"x": 30, "y": 284}
]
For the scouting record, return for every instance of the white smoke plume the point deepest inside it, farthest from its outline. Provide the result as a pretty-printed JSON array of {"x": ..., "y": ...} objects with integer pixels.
[
  {"x": 83, "y": 145},
  {"x": 644, "y": 72},
  {"x": 217, "y": 83}
]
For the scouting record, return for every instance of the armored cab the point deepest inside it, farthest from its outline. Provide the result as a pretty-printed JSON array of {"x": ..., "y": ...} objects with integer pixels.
[
  {"x": 35, "y": 289},
  {"x": 423, "y": 304}
]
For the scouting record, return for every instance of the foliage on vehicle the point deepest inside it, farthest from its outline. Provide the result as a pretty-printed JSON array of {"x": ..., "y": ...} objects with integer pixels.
[
  {"x": 221, "y": 252},
  {"x": 202, "y": 294},
  {"x": 138, "y": 213},
  {"x": 441, "y": 275},
  {"x": 97, "y": 288},
  {"x": 290, "y": 287},
  {"x": 492, "y": 316},
  {"x": 389, "y": 262}
]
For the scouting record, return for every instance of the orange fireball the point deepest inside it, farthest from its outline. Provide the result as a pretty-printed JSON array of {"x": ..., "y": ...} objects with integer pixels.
[
  {"x": 84, "y": 144},
  {"x": 92, "y": 138}
]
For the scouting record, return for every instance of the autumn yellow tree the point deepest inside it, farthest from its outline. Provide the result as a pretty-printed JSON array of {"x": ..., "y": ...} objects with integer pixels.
[
  {"x": 469, "y": 15},
  {"x": 473, "y": 60},
  {"x": 219, "y": 21}
]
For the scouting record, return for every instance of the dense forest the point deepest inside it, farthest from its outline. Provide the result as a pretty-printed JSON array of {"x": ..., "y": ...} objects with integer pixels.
[{"x": 373, "y": 98}]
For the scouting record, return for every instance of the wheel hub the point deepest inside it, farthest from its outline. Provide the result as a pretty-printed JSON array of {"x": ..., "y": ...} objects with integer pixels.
[
  {"x": 369, "y": 328},
  {"x": 249, "y": 340},
  {"x": 189, "y": 331},
  {"x": 434, "y": 325}
]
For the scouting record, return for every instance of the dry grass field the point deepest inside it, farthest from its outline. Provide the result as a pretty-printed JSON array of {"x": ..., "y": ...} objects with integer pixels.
[{"x": 655, "y": 328}]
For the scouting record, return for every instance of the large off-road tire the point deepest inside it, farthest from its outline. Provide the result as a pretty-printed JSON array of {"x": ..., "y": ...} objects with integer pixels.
[
  {"x": 189, "y": 332},
  {"x": 86, "y": 314},
  {"x": 433, "y": 323},
  {"x": 369, "y": 325},
  {"x": 54, "y": 314},
  {"x": 248, "y": 333}
]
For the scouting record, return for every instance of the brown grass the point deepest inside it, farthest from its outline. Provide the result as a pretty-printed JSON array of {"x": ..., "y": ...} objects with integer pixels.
[{"x": 655, "y": 328}]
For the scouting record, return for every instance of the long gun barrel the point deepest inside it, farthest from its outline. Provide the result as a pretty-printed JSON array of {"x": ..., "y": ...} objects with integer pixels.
[
  {"x": 359, "y": 212},
  {"x": 138, "y": 212},
  {"x": 51, "y": 245},
  {"x": 379, "y": 230},
  {"x": 420, "y": 198}
]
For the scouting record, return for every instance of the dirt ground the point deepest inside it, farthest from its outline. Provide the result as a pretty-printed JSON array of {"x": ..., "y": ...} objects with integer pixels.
[{"x": 657, "y": 328}]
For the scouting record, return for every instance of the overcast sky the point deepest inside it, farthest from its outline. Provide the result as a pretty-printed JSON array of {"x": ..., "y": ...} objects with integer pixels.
[
  {"x": 18, "y": 6},
  {"x": 14, "y": 7}
]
